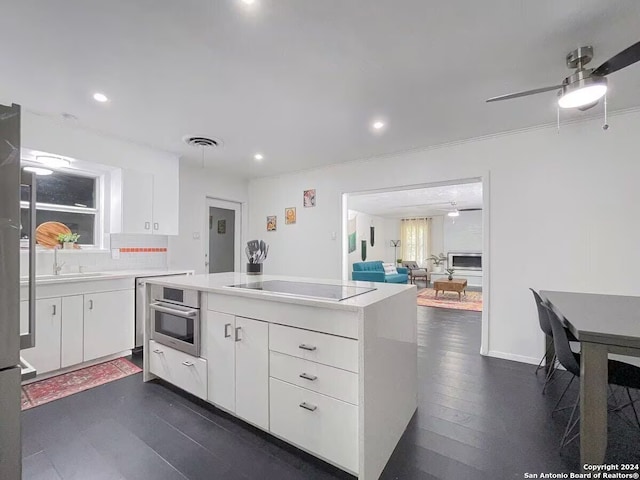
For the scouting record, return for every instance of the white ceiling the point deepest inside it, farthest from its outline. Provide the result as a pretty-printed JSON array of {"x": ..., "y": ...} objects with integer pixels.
[
  {"x": 420, "y": 202},
  {"x": 301, "y": 80}
]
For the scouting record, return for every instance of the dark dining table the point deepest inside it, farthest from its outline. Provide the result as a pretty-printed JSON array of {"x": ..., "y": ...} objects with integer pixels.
[{"x": 603, "y": 324}]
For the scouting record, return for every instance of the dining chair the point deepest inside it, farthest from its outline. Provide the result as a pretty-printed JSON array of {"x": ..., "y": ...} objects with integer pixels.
[
  {"x": 620, "y": 373},
  {"x": 545, "y": 326}
]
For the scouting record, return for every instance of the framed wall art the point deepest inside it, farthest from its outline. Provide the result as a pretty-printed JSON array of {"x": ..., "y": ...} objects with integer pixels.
[
  {"x": 289, "y": 215},
  {"x": 272, "y": 222},
  {"x": 309, "y": 198}
]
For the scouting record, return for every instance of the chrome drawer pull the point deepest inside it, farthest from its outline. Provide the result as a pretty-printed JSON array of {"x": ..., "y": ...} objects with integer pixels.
[
  {"x": 307, "y": 406},
  {"x": 306, "y": 376},
  {"x": 304, "y": 346},
  {"x": 188, "y": 364},
  {"x": 158, "y": 351}
]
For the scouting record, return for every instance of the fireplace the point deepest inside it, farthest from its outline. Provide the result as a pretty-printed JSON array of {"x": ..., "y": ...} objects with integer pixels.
[{"x": 464, "y": 260}]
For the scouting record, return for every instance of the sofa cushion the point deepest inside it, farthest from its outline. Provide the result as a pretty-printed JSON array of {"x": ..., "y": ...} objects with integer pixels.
[
  {"x": 375, "y": 266},
  {"x": 397, "y": 278},
  {"x": 389, "y": 269}
]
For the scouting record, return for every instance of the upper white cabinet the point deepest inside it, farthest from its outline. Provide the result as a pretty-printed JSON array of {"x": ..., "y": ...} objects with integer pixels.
[
  {"x": 143, "y": 202},
  {"x": 165, "y": 205}
]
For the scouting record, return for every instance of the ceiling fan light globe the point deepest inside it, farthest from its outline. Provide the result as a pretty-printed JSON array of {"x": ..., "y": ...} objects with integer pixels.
[
  {"x": 583, "y": 92},
  {"x": 455, "y": 213}
]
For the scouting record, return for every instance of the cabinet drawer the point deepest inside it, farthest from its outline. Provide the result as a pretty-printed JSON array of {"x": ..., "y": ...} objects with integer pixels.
[
  {"x": 326, "y": 427},
  {"x": 181, "y": 369},
  {"x": 331, "y": 381},
  {"x": 330, "y": 350}
]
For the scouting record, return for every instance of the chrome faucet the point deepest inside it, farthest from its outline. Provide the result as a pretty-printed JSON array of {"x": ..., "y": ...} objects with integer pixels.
[{"x": 56, "y": 266}]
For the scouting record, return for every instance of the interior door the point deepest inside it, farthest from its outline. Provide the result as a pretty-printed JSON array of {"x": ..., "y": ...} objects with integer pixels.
[
  {"x": 223, "y": 248},
  {"x": 221, "y": 240}
]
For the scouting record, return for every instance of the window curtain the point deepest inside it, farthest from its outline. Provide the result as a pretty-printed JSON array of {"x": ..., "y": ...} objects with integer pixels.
[{"x": 414, "y": 236}]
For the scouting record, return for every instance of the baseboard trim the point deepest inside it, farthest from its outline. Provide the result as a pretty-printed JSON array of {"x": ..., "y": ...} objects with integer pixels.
[{"x": 513, "y": 357}]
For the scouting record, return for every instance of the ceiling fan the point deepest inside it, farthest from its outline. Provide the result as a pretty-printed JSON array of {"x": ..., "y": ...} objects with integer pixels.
[{"x": 585, "y": 86}]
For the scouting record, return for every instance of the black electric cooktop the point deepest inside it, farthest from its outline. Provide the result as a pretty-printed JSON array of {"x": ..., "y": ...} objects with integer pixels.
[{"x": 301, "y": 289}]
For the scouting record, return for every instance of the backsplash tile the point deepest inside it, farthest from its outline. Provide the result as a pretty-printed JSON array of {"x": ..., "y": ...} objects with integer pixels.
[{"x": 137, "y": 252}]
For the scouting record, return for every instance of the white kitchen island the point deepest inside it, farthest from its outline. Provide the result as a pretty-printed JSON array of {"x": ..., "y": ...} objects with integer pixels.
[{"x": 337, "y": 379}]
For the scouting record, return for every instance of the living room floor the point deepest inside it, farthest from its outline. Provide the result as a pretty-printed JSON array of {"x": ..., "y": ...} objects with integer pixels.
[{"x": 478, "y": 417}]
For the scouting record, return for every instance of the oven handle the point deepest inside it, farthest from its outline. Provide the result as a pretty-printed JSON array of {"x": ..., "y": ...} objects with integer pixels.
[{"x": 179, "y": 313}]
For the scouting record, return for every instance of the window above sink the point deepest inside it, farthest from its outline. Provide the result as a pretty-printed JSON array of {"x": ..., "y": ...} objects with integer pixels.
[{"x": 68, "y": 195}]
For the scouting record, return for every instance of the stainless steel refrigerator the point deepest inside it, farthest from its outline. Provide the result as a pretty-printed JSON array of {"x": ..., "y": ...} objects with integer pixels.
[{"x": 12, "y": 339}]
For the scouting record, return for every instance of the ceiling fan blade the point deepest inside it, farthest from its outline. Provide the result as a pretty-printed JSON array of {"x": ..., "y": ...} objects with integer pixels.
[
  {"x": 524, "y": 94},
  {"x": 625, "y": 58},
  {"x": 588, "y": 106}
]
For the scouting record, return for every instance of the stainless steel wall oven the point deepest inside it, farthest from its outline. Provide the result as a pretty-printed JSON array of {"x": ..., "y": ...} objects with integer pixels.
[{"x": 174, "y": 315}]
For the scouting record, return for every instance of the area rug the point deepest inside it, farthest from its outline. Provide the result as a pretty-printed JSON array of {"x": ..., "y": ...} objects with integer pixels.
[
  {"x": 60, "y": 386},
  {"x": 472, "y": 301}
]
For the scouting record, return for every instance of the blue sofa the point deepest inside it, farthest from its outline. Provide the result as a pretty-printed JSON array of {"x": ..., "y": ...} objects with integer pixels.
[{"x": 373, "y": 272}]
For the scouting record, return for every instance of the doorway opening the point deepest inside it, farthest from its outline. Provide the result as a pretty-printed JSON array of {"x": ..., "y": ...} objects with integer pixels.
[
  {"x": 435, "y": 234},
  {"x": 223, "y": 246}
]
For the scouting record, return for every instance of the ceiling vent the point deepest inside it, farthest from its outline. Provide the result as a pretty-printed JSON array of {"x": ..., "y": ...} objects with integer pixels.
[{"x": 200, "y": 141}]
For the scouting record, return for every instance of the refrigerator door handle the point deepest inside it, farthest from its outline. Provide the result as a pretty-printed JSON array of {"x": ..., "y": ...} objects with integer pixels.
[{"x": 28, "y": 340}]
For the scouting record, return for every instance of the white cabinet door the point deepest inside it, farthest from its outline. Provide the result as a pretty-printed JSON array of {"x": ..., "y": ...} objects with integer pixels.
[
  {"x": 165, "y": 204},
  {"x": 221, "y": 360},
  {"x": 137, "y": 202},
  {"x": 72, "y": 330},
  {"x": 108, "y": 323},
  {"x": 252, "y": 371},
  {"x": 45, "y": 356}
]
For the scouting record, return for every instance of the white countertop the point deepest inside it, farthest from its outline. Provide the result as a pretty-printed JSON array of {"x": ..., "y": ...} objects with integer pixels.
[
  {"x": 220, "y": 282},
  {"x": 92, "y": 276}
]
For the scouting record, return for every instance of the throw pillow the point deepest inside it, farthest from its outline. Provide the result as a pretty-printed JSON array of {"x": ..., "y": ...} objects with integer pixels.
[{"x": 389, "y": 269}]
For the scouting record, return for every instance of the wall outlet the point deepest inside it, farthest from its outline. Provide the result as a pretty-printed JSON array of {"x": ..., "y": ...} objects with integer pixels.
[
  {"x": 115, "y": 254},
  {"x": 333, "y": 235}
]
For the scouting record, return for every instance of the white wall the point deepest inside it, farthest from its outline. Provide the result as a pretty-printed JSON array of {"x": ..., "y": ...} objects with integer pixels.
[
  {"x": 386, "y": 229},
  {"x": 566, "y": 200},
  {"x": 436, "y": 236},
  {"x": 196, "y": 184},
  {"x": 463, "y": 233},
  {"x": 53, "y": 136}
]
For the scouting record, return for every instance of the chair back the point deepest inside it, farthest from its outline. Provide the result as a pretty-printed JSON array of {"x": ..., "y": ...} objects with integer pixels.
[
  {"x": 561, "y": 343},
  {"x": 411, "y": 265},
  {"x": 543, "y": 317}
]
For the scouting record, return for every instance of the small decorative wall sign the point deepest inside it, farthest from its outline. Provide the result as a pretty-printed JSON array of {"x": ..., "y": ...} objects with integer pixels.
[
  {"x": 222, "y": 227},
  {"x": 309, "y": 198},
  {"x": 351, "y": 232},
  {"x": 289, "y": 215},
  {"x": 272, "y": 223}
]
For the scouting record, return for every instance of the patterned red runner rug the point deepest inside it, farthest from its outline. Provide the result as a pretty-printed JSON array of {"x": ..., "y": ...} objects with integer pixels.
[
  {"x": 60, "y": 386},
  {"x": 472, "y": 301}
]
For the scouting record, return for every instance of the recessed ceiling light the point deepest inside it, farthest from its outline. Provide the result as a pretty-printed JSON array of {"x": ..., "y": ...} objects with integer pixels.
[
  {"x": 38, "y": 170},
  {"x": 258, "y": 156},
  {"x": 378, "y": 125},
  {"x": 100, "y": 97},
  {"x": 248, "y": 2},
  {"x": 54, "y": 162}
]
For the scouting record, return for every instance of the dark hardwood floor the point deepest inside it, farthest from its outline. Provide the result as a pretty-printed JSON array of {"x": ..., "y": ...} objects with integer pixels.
[{"x": 478, "y": 418}]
